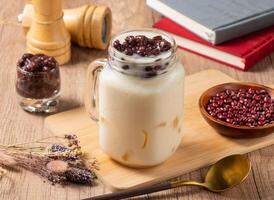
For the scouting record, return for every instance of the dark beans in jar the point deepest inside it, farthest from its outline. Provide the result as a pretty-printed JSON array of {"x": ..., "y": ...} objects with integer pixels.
[
  {"x": 142, "y": 45},
  {"x": 38, "y": 76}
]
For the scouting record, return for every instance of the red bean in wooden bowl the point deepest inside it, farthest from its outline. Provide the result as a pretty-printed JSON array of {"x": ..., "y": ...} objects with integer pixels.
[{"x": 241, "y": 110}]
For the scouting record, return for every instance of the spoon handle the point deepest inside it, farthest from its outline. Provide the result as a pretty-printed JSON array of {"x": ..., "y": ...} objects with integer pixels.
[
  {"x": 132, "y": 192},
  {"x": 144, "y": 190},
  {"x": 178, "y": 183}
]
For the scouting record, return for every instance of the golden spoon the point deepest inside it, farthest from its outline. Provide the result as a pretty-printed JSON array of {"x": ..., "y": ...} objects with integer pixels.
[{"x": 223, "y": 175}]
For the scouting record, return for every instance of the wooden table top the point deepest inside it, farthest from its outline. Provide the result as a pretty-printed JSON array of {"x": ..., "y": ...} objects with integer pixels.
[{"x": 17, "y": 126}]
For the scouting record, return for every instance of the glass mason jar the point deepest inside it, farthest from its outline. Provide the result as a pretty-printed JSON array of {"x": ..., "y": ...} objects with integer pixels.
[{"x": 140, "y": 103}]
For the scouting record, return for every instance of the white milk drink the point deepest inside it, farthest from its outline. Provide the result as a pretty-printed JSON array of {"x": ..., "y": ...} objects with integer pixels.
[{"x": 141, "y": 112}]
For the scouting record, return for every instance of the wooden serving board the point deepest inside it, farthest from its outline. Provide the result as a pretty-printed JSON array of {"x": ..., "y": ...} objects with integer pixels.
[{"x": 201, "y": 145}]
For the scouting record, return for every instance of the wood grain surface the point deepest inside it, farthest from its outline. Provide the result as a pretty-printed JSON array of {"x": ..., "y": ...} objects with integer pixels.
[
  {"x": 195, "y": 151},
  {"x": 19, "y": 126}
]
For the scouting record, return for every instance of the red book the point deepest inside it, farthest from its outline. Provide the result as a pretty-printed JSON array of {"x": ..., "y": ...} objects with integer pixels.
[{"x": 241, "y": 53}]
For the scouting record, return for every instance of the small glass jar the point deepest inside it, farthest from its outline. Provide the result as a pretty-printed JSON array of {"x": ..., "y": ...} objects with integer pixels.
[
  {"x": 38, "y": 91},
  {"x": 140, "y": 103}
]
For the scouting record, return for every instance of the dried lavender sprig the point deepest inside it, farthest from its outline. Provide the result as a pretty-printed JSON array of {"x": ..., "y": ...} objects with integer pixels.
[
  {"x": 82, "y": 176},
  {"x": 80, "y": 170},
  {"x": 37, "y": 163},
  {"x": 18, "y": 148}
]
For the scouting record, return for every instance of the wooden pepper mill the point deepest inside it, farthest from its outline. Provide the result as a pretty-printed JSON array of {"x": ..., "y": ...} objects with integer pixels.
[
  {"x": 88, "y": 25},
  {"x": 47, "y": 33}
]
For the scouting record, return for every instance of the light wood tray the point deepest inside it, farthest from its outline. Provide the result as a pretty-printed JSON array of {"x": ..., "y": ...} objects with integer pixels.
[{"x": 201, "y": 145}]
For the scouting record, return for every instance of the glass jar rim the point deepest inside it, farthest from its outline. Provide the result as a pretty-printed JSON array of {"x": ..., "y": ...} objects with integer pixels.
[
  {"x": 142, "y": 66},
  {"x": 36, "y": 73},
  {"x": 153, "y": 30}
]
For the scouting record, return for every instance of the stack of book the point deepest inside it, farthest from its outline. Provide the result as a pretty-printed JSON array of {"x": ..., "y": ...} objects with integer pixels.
[{"x": 235, "y": 33}]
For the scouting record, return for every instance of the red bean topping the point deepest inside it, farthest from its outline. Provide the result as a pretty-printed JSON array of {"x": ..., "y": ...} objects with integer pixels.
[
  {"x": 37, "y": 85},
  {"x": 142, "y": 45},
  {"x": 36, "y": 63}
]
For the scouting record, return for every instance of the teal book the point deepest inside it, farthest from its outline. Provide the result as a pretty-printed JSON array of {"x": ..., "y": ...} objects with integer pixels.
[{"x": 217, "y": 21}]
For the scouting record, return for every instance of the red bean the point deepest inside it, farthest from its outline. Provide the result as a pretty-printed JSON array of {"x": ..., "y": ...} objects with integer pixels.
[
  {"x": 242, "y": 107},
  {"x": 142, "y": 45}
]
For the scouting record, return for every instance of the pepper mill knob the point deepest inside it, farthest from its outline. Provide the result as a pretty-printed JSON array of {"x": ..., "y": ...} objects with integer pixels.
[
  {"x": 89, "y": 25},
  {"x": 47, "y": 33}
]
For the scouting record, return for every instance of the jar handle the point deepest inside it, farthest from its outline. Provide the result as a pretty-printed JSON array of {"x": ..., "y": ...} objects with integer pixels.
[{"x": 91, "y": 87}]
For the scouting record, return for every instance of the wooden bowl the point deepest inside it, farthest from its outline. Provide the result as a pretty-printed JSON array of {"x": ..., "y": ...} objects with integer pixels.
[{"x": 225, "y": 128}]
